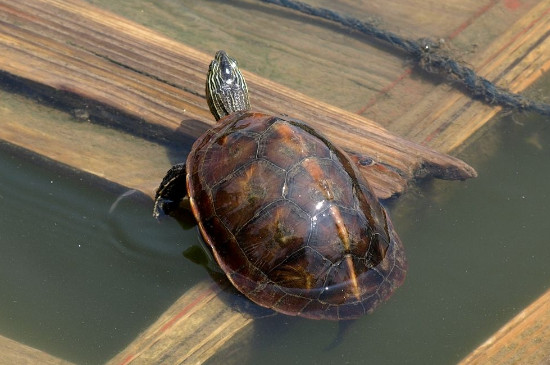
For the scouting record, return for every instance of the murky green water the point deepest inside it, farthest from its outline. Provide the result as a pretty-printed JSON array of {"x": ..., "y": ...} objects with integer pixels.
[
  {"x": 478, "y": 254},
  {"x": 80, "y": 279}
]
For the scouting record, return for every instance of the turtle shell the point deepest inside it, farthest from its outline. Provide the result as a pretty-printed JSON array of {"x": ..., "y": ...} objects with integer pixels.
[{"x": 290, "y": 220}]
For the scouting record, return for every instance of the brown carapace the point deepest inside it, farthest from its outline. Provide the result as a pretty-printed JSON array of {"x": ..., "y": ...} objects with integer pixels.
[{"x": 286, "y": 214}]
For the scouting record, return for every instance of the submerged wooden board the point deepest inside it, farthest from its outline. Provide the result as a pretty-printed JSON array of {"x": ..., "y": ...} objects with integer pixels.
[
  {"x": 143, "y": 85},
  {"x": 12, "y": 352},
  {"x": 523, "y": 340},
  {"x": 325, "y": 61},
  {"x": 164, "y": 339}
]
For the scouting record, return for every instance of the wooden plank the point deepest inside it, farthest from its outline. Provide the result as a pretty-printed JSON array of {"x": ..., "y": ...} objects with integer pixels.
[
  {"x": 169, "y": 336},
  {"x": 72, "y": 47},
  {"x": 445, "y": 118},
  {"x": 13, "y": 352},
  {"x": 322, "y": 60},
  {"x": 523, "y": 340},
  {"x": 371, "y": 79}
]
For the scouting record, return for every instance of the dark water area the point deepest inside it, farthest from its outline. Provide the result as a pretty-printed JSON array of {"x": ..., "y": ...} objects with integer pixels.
[
  {"x": 478, "y": 254},
  {"x": 79, "y": 277},
  {"x": 84, "y": 267}
]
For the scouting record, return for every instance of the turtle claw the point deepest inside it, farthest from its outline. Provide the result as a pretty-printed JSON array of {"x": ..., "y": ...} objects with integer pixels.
[
  {"x": 158, "y": 210},
  {"x": 171, "y": 195}
]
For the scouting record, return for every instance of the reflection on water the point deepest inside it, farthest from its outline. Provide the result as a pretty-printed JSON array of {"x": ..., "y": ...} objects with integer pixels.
[{"x": 81, "y": 281}]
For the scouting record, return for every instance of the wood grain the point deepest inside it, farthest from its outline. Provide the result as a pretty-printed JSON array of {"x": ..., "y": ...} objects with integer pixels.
[
  {"x": 12, "y": 352},
  {"x": 158, "y": 85},
  {"x": 445, "y": 118},
  {"x": 182, "y": 324},
  {"x": 523, "y": 340}
]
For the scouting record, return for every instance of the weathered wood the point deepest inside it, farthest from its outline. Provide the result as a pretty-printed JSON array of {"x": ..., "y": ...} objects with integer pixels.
[
  {"x": 322, "y": 60},
  {"x": 523, "y": 340},
  {"x": 73, "y": 47},
  {"x": 180, "y": 325},
  {"x": 12, "y": 352},
  {"x": 350, "y": 71},
  {"x": 445, "y": 118}
]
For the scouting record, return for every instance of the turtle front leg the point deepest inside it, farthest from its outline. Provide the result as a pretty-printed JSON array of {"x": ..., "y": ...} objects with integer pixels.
[{"x": 171, "y": 195}]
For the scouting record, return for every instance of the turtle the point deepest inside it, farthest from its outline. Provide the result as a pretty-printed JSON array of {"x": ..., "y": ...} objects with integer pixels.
[{"x": 286, "y": 214}]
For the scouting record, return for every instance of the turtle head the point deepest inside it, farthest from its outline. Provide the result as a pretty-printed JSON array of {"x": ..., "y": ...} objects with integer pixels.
[{"x": 226, "y": 90}]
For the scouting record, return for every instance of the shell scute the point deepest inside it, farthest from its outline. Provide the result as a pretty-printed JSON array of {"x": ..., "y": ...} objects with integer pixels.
[
  {"x": 314, "y": 183},
  {"x": 327, "y": 236},
  {"x": 284, "y": 144},
  {"x": 239, "y": 197},
  {"x": 276, "y": 233},
  {"x": 229, "y": 153},
  {"x": 305, "y": 270}
]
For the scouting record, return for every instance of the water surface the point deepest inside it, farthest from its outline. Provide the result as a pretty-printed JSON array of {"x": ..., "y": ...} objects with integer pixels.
[{"x": 80, "y": 278}]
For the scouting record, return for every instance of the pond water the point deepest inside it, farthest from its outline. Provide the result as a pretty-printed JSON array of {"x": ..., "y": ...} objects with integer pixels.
[
  {"x": 84, "y": 266},
  {"x": 79, "y": 276}
]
